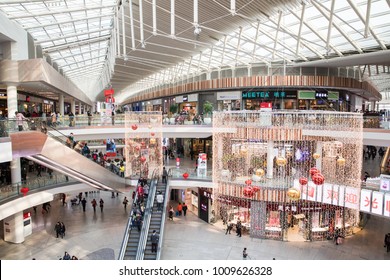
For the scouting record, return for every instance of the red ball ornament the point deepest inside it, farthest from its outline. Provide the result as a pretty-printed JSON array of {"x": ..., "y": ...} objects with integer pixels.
[
  {"x": 248, "y": 192},
  {"x": 134, "y": 127},
  {"x": 248, "y": 182},
  {"x": 24, "y": 190},
  {"x": 142, "y": 159},
  {"x": 255, "y": 189},
  {"x": 313, "y": 171},
  {"x": 318, "y": 179},
  {"x": 152, "y": 133},
  {"x": 185, "y": 175},
  {"x": 303, "y": 181}
]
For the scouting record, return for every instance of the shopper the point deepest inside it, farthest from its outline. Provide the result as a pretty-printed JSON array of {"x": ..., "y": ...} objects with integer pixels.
[
  {"x": 154, "y": 238},
  {"x": 101, "y": 204},
  {"x": 125, "y": 202},
  {"x": 244, "y": 254}
]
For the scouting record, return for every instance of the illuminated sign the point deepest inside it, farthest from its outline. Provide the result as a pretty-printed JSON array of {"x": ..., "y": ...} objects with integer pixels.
[{"x": 266, "y": 94}]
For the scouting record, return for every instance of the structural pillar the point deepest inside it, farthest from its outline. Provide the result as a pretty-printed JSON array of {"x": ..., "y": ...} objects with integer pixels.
[
  {"x": 73, "y": 106},
  {"x": 319, "y": 151},
  {"x": 12, "y": 104},
  {"x": 270, "y": 159},
  {"x": 14, "y": 228},
  {"x": 80, "y": 106},
  {"x": 61, "y": 104}
]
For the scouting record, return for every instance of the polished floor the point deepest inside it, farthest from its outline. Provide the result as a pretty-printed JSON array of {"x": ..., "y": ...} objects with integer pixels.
[{"x": 98, "y": 236}]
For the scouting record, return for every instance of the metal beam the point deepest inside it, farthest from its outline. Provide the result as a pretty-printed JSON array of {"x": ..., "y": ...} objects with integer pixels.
[
  {"x": 320, "y": 9},
  {"x": 353, "y": 6},
  {"x": 312, "y": 29},
  {"x": 301, "y": 21},
  {"x": 238, "y": 42},
  {"x": 81, "y": 61},
  {"x": 368, "y": 13},
  {"x": 330, "y": 25},
  {"x": 81, "y": 53},
  {"x": 66, "y": 21},
  {"x": 49, "y": 13},
  {"x": 72, "y": 35},
  {"x": 277, "y": 34},
  {"x": 77, "y": 44}
]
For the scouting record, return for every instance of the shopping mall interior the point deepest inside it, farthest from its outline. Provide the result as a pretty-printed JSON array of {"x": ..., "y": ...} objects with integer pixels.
[{"x": 220, "y": 125}]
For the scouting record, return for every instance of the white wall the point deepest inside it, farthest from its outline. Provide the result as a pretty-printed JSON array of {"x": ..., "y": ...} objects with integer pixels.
[{"x": 17, "y": 46}]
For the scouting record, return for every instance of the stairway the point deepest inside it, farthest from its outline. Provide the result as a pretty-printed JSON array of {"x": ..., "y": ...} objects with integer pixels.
[{"x": 155, "y": 224}]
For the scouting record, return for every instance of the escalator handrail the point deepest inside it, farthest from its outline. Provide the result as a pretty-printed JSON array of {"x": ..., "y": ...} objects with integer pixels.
[
  {"x": 127, "y": 233},
  {"x": 164, "y": 212},
  {"x": 147, "y": 217}
]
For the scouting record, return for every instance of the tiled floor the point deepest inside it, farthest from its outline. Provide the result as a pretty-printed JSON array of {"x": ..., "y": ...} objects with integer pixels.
[{"x": 99, "y": 235}]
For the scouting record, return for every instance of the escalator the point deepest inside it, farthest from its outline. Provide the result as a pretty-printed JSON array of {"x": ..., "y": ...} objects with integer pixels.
[
  {"x": 48, "y": 152},
  {"x": 155, "y": 224}
]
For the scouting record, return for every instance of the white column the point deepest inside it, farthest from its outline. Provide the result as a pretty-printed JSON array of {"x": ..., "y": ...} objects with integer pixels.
[
  {"x": 270, "y": 159},
  {"x": 73, "y": 106},
  {"x": 80, "y": 105},
  {"x": 12, "y": 103},
  {"x": 14, "y": 228},
  {"x": 372, "y": 106},
  {"x": 61, "y": 104}
]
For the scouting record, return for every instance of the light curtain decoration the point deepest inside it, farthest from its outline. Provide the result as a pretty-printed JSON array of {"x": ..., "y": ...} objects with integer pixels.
[
  {"x": 143, "y": 143},
  {"x": 276, "y": 150}
]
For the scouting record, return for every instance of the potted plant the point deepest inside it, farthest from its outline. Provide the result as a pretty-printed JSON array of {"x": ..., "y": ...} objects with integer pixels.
[
  {"x": 172, "y": 111},
  {"x": 207, "y": 111}
]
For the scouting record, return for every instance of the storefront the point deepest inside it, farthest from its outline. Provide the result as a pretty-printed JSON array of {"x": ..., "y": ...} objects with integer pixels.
[
  {"x": 280, "y": 99},
  {"x": 229, "y": 100},
  {"x": 188, "y": 104},
  {"x": 322, "y": 100}
]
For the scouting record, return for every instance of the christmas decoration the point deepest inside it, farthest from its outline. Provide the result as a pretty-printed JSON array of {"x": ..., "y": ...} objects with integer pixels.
[
  {"x": 24, "y": 190},
  {"x": 316, "y": 155},
  {"x": 142, "y": 159},
  {"x": 318, "y": 179},
  {"x": 185, "y": 175},
  {"x": 290, "y": 148},
  {"x": 313, "y": 171},
  {"x": 248, "y": 182},
  {"x": 134, "y": 127},
  {"x": 303, "y": 181}
]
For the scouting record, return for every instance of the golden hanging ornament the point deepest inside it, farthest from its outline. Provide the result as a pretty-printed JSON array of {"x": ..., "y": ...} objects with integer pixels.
[
  {"x": 316, "y": 155},
  {"x": 260, "y": 172},
  {"x": 341, "y": 161},
  {"x": 281, "y": 161},
  {"x": 293, "y": 193}
]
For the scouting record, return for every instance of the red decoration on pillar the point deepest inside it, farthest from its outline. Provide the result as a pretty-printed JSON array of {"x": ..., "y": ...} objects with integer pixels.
[
  {"x": 313, "y": 171},
  {"x": 185, "y": 175},
  {"x": 24, "y": 190},
  {"x": 248, "y": 192},
  {"x": 142, "y": 159},
  {"x": 318, "y": 179},
  {"x": 248, "y": 182},
  {"x": 134, "y": 127},
  {"x": 255, "y": 189},
  {"x": 303, "y": 181}
]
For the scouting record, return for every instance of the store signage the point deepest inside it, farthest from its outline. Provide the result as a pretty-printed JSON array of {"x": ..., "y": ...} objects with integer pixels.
[
  {"x": 365, "y": 201},
  {"x": 321, "y": 95},
  {"x": 193, "y": 97},
  {"x": 269, "y": 95},
  {"x": 386, "y": 205},
  {"x": 229, "y": 95},
  {"x": 377, "y": 203}
]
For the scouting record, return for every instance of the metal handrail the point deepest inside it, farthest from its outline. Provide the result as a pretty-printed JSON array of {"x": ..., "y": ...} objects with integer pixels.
[
  {"x": 164, "y": 212},
  {"x": 14, "y": 190},
  {"x": 147, "y": 216},
  {"x": 126, "y": 236}
]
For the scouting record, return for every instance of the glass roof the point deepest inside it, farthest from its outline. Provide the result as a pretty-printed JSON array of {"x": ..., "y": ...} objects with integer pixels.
[
  {"x": 296, "y": 40},
  {"x": 74, "y": 33}
]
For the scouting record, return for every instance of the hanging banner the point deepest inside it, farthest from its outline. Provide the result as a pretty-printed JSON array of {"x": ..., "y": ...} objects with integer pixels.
[
  {"x": 328, "y": 193},
  {"x": 386, "y": 210},
  {"x": 341, "y": 195},
  {"x": 351, "y": 198},
  {"x": 377, "y": 203},
  {"x": 365, "y": 200}
]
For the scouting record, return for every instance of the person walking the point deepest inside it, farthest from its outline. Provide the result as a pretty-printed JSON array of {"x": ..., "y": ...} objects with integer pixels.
[
  {"x": 171, "y": 213},
  {"x": 101, "y": 204},
  {"x": 387, "y": 242},
  {"x": 84, "y": 203},
  {"x": 159, "y": 200},
  {"x": 63, "y": 229},
  {"x": 229, "y": 227},
  {"x": 164, "y": 176},
  {"x": 125, "y": 202},
  {"x": 20, "y": 118},
  {"x": 94, "y": 204},
  {"x": 244, "y": 254},
  {"x": 179, "y": 209},
  {"x": 154, "y": 238},
  {"x": 57, "y": 229},
  {"x": 238, "y": 228},
  {"x": 185, "y": 208}
]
